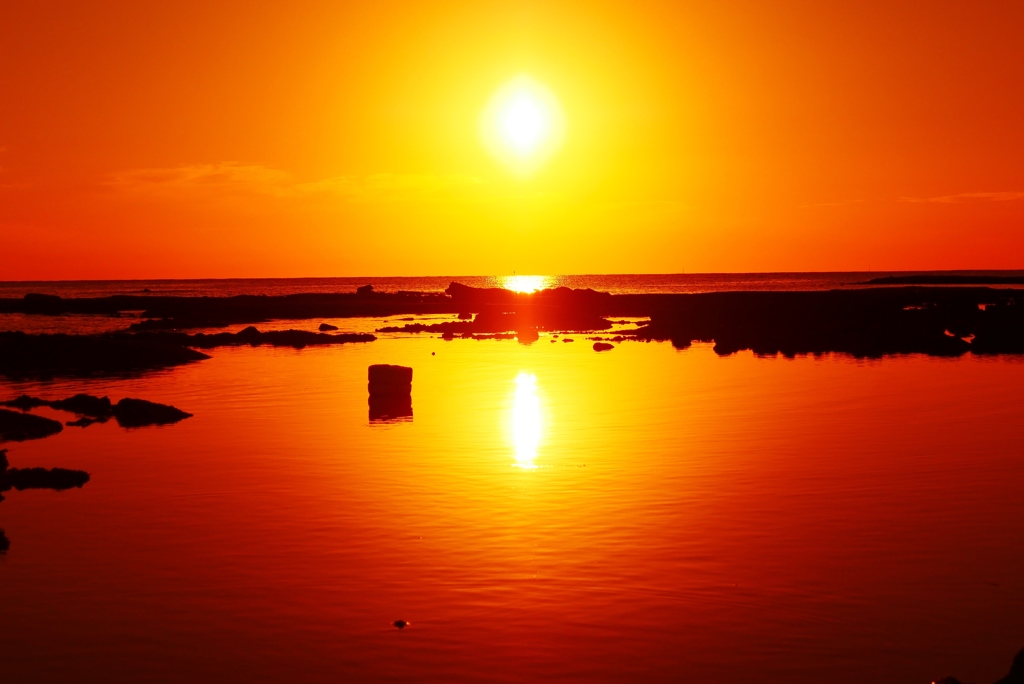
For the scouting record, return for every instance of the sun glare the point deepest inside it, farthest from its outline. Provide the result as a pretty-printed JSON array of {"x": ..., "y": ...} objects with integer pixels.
[
  {"x": 525, "y": 283},
  {"x": 522, "y": 125},
  {"x": 526, "y": 424}
]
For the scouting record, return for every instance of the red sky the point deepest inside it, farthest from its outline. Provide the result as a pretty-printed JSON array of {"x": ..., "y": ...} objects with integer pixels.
[{"x": 231, "y": 139}]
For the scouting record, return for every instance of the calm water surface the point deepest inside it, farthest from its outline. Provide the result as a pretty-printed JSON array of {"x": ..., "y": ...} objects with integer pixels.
[{"x": 549, "y": 513}]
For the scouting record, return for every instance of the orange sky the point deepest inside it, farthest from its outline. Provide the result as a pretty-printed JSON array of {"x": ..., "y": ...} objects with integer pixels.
[{"x": 221, "y": 139}]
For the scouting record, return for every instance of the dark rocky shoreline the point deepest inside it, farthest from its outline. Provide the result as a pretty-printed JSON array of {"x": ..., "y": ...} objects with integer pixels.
[{"x": 874, "y": 322}]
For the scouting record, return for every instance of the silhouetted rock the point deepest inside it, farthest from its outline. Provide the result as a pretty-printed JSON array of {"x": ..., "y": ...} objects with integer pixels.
[
  {"x": 385, "y": 380},
  {"x": 84, "y": 405},
  {"x": 3, "y": 461},
  {"x": 25, "y": 402},
  {"x": 528, "y": 336},
  {"x": 1016, "y": 675},
  {"x": 179, "y": 313},
  {"x": 18, "y": 427},
  {"x": 946, "y": 279},
  {"x": 324, "y": 327},
  {"x": 603, "y": 346},
  {"x": 42, "y": 478},
  {"x": 5, "y": 543},
  {"x": 401, "y": 624},
  {"x": 276, "y": 338},
  {"x": 45, "y": 356},
  {"x": 863, "y": 323},
  {"x": 364, "y": 290},
  {"x": 139, "y": 413}
]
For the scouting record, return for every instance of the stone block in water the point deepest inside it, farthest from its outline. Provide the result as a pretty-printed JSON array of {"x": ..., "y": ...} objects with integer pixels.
[{"x": 390, "y": 381}]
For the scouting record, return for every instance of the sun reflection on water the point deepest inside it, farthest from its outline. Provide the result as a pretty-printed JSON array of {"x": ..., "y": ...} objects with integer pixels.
[
  {"x": 525, "y": 283},
  {"x": 526, "y": 423}
]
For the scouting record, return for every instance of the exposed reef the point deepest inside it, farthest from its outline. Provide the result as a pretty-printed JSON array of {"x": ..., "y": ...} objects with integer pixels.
[
  {"x": 275, "y": 338},
  {"x": 946, "y": 279},
  {"x": 869, "y": 322},
  {"x": 18, "y": 427},
  {"x": 128, "y": 412},
  {"x": 863, "y": 323},
  {"x": 38, "y": 478},
  {"x": 35, "y": 478},
  {"x": 181, "y": 313},
  {"x": 44, "y": 356}
]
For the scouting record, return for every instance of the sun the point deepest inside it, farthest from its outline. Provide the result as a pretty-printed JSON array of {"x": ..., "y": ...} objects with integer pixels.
[{"x": 523, "y": 125}]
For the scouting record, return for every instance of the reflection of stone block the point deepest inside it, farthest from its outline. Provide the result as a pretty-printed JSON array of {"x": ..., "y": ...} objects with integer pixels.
[
  {"x": 390, "y": 381},
  {"x": 390, "y": 409}
]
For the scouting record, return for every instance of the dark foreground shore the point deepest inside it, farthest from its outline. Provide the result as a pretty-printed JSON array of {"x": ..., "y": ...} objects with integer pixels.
[{"x": 940, "y": 321}]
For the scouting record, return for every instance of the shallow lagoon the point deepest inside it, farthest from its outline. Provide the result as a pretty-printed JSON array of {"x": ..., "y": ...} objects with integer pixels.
[{"x": 722, "y": 519}]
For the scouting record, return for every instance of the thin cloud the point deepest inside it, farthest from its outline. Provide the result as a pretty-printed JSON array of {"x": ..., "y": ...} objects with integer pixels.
[
  {"x": 233, "y": 178},
  {"x": 832, "y": 204},
  {"x": 968, "y": 197}
]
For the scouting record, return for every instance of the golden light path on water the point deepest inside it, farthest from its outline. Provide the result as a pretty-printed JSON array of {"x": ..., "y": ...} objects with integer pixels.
[
  {"x": 526, "y": 420},
  {"x": 525, "y": 283}
]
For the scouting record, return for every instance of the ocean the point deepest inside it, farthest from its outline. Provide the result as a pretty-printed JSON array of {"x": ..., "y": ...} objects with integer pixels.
[{"x": 547, "y": 513}]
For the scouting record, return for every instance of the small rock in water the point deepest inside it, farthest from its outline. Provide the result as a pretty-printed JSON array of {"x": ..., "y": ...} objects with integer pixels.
[
  {"x": 603, "y": 346},
  {"x": 324, "y": 327},
  {"x": 400, "y": 624},
  {"x": 139, "y": 413}
]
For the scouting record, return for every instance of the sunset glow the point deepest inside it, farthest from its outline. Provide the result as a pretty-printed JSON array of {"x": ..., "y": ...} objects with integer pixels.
[
  {"x": 525, "y": 283},
  {"x": 540, "y": 341}
]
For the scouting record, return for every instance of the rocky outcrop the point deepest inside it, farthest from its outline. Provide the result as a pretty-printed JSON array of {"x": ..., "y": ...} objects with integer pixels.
[
  {"x": 128, "y": 412},
  {"x": 46, "y": 356},
  {"x": 35, "y": 478},
  {"x": 18, "y": 427},
  {"x": 140, "y": 413}
]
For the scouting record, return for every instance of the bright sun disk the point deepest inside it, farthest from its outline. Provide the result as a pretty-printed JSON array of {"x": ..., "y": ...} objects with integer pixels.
[{"x": 522, "y": 125}]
